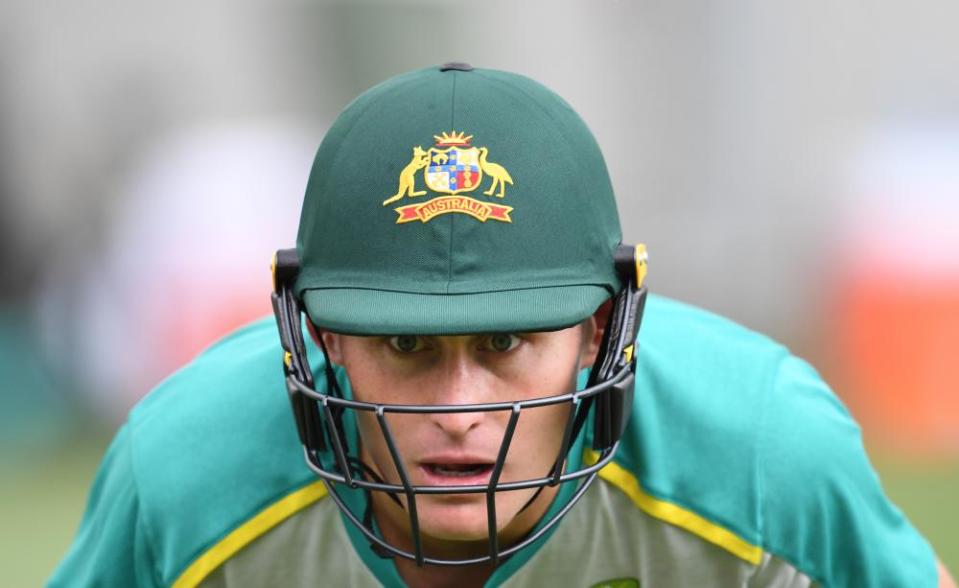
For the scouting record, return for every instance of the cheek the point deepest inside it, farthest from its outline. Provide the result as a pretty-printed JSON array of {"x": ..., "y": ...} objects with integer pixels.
[
  {"x": 546, "y": 370},
  {"x": 542, "y": 427},
  {"x": 369, "y": 380},
  {"x": 549, "y": 372},
  {"x": 377, "y": 377},
  {"x": 369, "y": 383},
  {"x": 375, "y": 451},
  {"x": 373, "y": 443},
  {"x": 539, "y": 435}
]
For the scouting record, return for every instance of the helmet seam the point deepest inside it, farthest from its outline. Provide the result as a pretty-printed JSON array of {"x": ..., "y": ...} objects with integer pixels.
[{"x": 449, "y": 254}]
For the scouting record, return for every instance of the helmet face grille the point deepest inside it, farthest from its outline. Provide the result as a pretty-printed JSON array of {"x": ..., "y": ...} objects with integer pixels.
[{"x": 325, "y": 417}]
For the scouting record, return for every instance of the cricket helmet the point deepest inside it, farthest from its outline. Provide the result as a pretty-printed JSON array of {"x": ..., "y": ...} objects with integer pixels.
[{"x": 455, "y": 200}]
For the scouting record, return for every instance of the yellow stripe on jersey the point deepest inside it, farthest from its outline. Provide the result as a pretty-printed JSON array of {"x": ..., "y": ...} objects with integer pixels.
[
  {"x": 618, "y": 476},
  {"x": 243, "y": 535}
]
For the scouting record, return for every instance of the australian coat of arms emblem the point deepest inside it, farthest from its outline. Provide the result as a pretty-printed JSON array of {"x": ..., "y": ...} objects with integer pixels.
[{"x": 452, "y": 167}]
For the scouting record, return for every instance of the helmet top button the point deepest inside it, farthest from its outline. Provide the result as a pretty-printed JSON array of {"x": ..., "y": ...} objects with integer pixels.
[{"x": 457, "y": 66}]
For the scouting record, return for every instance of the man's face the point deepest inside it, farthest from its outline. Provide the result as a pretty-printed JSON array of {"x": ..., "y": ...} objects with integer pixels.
[{"x": 460, "y": 448}]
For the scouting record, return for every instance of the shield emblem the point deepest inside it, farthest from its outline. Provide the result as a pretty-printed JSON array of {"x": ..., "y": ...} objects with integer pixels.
[{"x": 453, "y": 170}]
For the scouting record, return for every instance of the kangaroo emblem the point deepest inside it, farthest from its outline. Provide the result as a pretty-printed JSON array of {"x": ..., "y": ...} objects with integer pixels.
[
  {"x": 497, "y": 172},
  {"x": 452, "y": 168},
  {"x": 408, "y": 176}
]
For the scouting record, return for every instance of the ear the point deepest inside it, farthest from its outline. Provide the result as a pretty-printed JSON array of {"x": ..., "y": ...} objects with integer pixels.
[
  {"x": 593, "y": 329},
  {"x": 330, "y": 340}
]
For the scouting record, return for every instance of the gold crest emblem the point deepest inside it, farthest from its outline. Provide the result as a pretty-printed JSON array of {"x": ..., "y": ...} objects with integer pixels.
[{"x": 452, "y": 167}]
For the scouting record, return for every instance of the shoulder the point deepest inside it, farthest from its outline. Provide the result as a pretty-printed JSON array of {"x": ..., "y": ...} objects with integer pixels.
[
  {"x": 702, "y": 383},
  {"x": 823, "y": 507},
  {"x": 213, "y": 445},
  {"x": 702, "y": 377},
  {"x": 729, "y": 427},
  {"x": 112, "y": 546}
]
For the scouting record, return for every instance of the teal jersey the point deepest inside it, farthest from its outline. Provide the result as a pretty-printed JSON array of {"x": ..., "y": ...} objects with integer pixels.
[{"x": 739, "y": 468}]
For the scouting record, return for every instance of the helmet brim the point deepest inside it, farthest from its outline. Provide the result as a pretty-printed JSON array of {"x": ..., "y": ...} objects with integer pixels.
[{"x": 359, "y": 311}]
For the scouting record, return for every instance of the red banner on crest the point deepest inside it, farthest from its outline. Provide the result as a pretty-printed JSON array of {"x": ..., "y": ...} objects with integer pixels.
[{"x": 481, "y": 211}]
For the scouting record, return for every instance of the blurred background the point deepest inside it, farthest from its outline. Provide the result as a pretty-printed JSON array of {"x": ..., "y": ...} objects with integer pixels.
[{"x": 793, "y": 166}]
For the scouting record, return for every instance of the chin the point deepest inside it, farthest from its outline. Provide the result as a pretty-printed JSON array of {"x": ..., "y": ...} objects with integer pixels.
[{"x": 463, "y": 519}]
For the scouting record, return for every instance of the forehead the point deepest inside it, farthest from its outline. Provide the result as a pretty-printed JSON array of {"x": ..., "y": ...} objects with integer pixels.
[
  {"x": 545, "y": 341},
  {"x": 552, "y": 333}
]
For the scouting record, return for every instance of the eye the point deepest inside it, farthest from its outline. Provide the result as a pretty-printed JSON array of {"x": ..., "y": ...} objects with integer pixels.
[
  {"x": 406, "y": 343},
  {"x": 503, "y": 342}
]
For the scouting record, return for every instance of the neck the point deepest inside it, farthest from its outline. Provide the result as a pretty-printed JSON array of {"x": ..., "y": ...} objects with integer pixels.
[
  {"x": 468, "y": 576},
  {"x": 472, "y": 576}
]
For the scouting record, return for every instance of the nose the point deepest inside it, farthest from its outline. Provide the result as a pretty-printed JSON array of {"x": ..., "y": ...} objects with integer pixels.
[{"x": 462, "y": 382}]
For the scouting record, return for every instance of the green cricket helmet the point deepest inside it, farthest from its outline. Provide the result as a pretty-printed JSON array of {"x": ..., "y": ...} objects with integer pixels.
[{"x": 454, "y": 200}]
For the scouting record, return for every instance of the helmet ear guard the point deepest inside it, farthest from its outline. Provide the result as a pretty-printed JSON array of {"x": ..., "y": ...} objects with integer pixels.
[
  {"x": 309, "y": 425},
  {"x": 319, "y": 422},
  {"x": 617, "y": 350}
]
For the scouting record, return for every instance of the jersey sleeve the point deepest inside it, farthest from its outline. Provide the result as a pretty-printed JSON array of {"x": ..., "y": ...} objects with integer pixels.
[
  {"x": 822, "y": 505},
  {"x": 111, "y": 547}
]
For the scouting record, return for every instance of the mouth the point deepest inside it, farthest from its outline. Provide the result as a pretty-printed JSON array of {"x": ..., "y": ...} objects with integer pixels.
[{"x": 460, "y": 474}]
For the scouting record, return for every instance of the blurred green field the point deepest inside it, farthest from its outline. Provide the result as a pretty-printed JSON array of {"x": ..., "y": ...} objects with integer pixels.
[
  {"x": 929, "y": 495},
  {"x": 42, "y": 496}
]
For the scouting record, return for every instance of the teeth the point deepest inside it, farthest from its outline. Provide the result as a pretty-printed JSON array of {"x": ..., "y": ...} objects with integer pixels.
[{"x": 458, "y": 470}]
